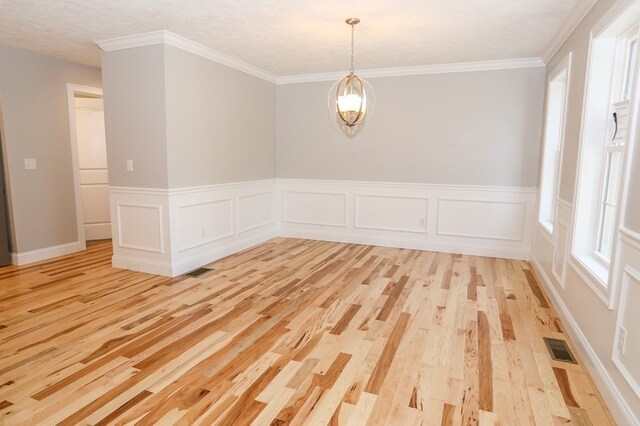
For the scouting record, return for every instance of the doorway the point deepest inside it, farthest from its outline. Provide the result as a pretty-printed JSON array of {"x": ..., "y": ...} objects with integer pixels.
[{"x": 89, "y": 158}]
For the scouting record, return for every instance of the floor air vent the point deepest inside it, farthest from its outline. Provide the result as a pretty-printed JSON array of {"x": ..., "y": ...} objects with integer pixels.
[
  {"x": 559, "y": 350},
  {"x": 198, "y": 272}
]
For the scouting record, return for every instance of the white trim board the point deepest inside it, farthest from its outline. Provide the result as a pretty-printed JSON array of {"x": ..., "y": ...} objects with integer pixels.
[
  {"x": 504, "y": 64},
  {"x": 72, "y": 89},
  {"x": 190, "y": 189},
  {"x": 175, "y": 40},
  {"x": 183, "y": 266},
  {"x": 407, "y": 243},
  {"x": 171, "y": 39},
  {"x": 409, "y": 185},
  {"x": 612, "y": 396},
  {"x": 33, "y": 256}
]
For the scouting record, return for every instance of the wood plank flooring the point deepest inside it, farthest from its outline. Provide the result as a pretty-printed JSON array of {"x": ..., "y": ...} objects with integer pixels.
[{"x": 289, "y": 332}]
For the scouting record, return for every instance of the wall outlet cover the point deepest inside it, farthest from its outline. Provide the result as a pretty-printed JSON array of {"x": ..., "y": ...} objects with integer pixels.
[
  {"x": 622, "y": 340},
  {"x": 30, "y": 164}
]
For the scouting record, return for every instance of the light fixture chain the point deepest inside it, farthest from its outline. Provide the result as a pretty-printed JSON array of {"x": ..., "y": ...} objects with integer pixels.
[{"x": 352, "y": 35}]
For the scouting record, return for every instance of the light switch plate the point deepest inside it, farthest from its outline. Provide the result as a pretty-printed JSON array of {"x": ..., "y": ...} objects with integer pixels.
[{"x": 30, "y": 164}]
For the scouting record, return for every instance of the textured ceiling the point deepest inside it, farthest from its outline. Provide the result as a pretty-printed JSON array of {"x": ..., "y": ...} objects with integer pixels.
[{"x": 298, "y": 36}]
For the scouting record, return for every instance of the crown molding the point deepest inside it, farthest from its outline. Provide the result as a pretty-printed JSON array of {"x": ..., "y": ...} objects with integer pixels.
[
  {"x": 575, "y": 17},
  {"x": 503, "y": 64},
  {"x": 171, "y": 39}
]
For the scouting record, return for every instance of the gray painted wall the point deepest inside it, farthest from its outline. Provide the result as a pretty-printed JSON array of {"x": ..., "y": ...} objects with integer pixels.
[
  {"x": 470, "y": 128},
  {"x": 221, "y": 123},
  {"x": 595, "y": 320},
  {"x": 36, "y": 125},
  {"x": 632, "y": 214},
  {"x": 185, "y": 120},
  {"x": 135, "y": 116},
  {"x": 578, "y": 43}
]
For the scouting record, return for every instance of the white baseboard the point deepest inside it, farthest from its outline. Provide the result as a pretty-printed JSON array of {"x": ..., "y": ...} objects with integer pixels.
[
  {"x": 27, "y": 257},
  {"x": 610, "y": 393},
  {"x": 408, "y": 243},
  {"x": 200, "y": 259},
  {"x": 193, "y": 262},
  {"x": 142, "y": 265}
]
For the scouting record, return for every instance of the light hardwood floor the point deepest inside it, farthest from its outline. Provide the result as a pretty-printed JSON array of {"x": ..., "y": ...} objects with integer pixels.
[{"x": 292, "y": 331}]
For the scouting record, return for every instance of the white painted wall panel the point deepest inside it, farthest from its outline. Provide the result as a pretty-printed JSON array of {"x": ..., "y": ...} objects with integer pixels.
[
  {"x": 255, "y": 210},
  {"x": 481, "y": 219},
  {"x": 391, "y": 213},
  {"x": 629, "y": 359},
  {"x": 204, "y": 223},
  {"x": 559, "y": 253},
  {"x": 140, "y": 227},
  {"x": 315, "y": 208}
]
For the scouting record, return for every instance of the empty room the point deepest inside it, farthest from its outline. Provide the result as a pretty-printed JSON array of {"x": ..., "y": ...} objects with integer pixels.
[{"x": 320, "y": 213}]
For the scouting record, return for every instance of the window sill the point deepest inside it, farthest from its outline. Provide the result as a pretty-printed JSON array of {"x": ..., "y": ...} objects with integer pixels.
[{"x": 594, "y": 274}]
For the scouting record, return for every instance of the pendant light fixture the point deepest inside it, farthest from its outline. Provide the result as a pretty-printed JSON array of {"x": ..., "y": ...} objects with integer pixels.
[{"x": 351, "y": 99}]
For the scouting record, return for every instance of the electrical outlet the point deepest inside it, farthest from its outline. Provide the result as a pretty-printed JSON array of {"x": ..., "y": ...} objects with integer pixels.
[
  {"x": 30, "y": 164},
  {"x": 622, "y": 340},
  {"x": 129, "y": 165},
  {"x": 421, "y": 221},
  {"x": 203, "y": 232}
]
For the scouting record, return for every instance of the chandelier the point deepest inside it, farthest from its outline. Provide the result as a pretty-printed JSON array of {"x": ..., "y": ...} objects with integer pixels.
[{"x": 351, "y": 99}]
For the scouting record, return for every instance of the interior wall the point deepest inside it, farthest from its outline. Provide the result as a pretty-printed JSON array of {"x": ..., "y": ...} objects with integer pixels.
[
  {"x": 220, "y": 122},
  {"x": 185, "y": 120},
  {"x": 135, "y": 116},
  {"x": 36, "y": 125},
  {"x": 578, "y": 43},
  {"x": 466, "y": 128},
  {"x": 592, "y": 322},
  {"x": 632, "y": 216},
  {"x": 202, "y": 138}
]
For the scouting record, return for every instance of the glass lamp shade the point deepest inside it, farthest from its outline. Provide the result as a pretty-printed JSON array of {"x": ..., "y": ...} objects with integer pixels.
[{"x": 351, "y": 100}]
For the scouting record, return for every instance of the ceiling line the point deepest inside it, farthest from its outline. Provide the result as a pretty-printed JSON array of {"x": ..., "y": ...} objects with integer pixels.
[{"x": 169, "y": 38}]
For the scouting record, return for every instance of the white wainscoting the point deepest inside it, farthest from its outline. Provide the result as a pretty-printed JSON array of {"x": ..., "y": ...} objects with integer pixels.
[
  {"x": 476, "y": 220},
  {"x": 627, "y": 358},
  {"x": 562, "y": 225},
  {"x": 482, "y": 219},
  {"x": 147, "y": 220},
  {"x": 314, "y": 208},
  {"x": 550, "y": 258},
  {"x": 170, "y": 232},
  {"x": 391, "y": 213},
  {"x": 140, "y": 229},
  {"x": 252, "y": 213},
  {"x": 204, "y": 223}
]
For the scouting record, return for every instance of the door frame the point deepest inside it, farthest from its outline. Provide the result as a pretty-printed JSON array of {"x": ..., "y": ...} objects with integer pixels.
[{"x": 72, "y": 89}]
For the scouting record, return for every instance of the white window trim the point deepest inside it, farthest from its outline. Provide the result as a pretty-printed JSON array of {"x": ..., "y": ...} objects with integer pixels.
[
  {"x": 604, "y": 284},
  {"x": 547, "y": 227}
]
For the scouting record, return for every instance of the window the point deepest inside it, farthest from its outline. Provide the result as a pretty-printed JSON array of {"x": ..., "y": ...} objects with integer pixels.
[
  {"x": 557, "y": 93},
  {"x": 614, "y": 149},
  {"x": 609, "y": 98}
]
